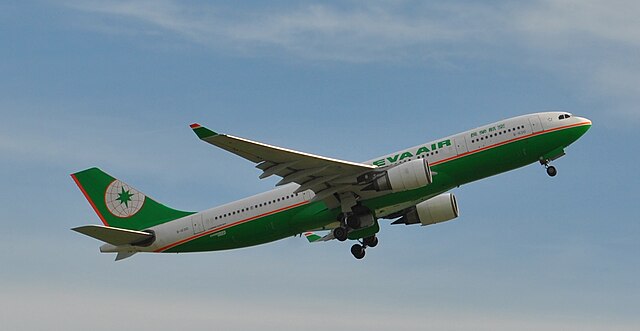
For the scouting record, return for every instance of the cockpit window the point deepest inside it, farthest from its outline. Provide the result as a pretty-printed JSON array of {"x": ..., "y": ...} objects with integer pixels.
[{"x": 563, "y": 116}]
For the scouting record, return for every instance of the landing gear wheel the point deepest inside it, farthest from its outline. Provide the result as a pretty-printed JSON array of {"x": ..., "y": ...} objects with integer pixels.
[
  {"x": 340, "y": 233},
  {"x": 358, "y": 251},
  {"x": 551, "y": 171},
  {"x": 370, "y": 241},
  {"x": 353, "y": 221}
]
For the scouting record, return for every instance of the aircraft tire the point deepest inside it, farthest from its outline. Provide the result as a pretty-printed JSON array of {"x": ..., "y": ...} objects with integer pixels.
[
  {"x": 370, "y": 241},
  {"x": 358, "y": 251},
  {"x": 551, "y": 171},
  {"x": 340, "y": 233},
  {"x": 353, "y": 221}
]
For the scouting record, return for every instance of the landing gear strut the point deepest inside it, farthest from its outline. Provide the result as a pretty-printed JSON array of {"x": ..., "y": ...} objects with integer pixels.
[{"x": 346, "y": 221}]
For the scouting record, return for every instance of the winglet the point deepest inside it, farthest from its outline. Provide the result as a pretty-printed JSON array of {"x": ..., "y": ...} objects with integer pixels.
[
  {"x": 312, "y": 237},
  {"x": 201, "y": 131}
]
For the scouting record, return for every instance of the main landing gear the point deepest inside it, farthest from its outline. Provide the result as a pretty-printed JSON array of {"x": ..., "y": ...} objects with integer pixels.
[
  {"x": 354, "y": 221},
  {"x": 340, "y": 233},
  {"x": 347, "y": 221},
  {"x": 358, "y": 250}
]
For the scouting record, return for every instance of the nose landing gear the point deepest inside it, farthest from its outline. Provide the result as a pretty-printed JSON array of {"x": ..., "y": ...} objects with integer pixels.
[
  {"x": 551, "y": 170},
  {"x": 551, "y": 156}
]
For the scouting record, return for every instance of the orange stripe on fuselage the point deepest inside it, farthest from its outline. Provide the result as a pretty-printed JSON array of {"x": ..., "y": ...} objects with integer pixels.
[
  {"x": 228, "y": 226},
  {"x": 509, "y": 141}
]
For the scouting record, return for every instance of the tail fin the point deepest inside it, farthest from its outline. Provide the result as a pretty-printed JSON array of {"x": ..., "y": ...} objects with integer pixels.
[{"x": 120, "y": 205}]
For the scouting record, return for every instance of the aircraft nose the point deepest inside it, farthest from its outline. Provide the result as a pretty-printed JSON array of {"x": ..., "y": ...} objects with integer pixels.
[
  {"x": 584, "y": 120},
  {"x": 581, "y": 126}
]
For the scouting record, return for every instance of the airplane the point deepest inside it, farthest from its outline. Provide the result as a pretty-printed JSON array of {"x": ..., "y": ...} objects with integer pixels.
[{"x": 316, "y": 193}]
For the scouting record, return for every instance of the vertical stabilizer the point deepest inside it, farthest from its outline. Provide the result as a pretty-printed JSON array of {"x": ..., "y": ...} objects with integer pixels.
[{"x": 120, "y": 205}]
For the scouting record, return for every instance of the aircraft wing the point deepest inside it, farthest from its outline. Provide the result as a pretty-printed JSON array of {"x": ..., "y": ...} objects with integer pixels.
[{"x": 323, "y": 175}]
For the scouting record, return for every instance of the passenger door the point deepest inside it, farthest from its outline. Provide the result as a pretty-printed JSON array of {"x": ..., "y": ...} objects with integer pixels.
[
  {"x": 536, "y": 124},
  {"x": 196, "y": 222},
  {"x": 461, "y": 145}
]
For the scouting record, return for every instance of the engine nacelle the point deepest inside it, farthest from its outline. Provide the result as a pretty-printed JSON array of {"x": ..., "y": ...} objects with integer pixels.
[
  {"x": 441, "y": 208},
  {"x": 406, "y": 176}
]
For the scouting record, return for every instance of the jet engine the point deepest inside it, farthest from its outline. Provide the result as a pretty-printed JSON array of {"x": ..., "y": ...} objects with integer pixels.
[
  {"x": 403, "y": 177},
  {"x": 438, "y": 209}
]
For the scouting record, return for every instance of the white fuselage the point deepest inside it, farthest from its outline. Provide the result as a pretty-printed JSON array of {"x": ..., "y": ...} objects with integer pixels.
[{"x": 213, "y": 221}]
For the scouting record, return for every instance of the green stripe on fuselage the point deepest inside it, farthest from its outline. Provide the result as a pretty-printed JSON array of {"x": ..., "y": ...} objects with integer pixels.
[
  {"x": 269, "y": 228},
  {"x": 455, "y": 172}
]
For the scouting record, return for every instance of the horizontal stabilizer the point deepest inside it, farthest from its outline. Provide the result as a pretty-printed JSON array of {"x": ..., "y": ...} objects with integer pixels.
[{"x": 114, "y": 236}]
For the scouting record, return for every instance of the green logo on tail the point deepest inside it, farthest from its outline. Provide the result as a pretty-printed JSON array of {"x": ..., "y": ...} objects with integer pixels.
[{"x": 124, "y": 197}]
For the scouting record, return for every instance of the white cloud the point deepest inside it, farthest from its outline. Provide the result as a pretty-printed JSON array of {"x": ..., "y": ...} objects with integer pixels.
[
  {"x": 369, "y": 31},
  {"x": 577, "y": 23},
  {"x": 53, "y": 140},
  {"x": 590, "y": 44}
]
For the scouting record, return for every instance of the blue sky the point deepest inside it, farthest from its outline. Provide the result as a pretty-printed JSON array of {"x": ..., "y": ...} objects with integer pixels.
[{"x": 115, "y": 84}]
